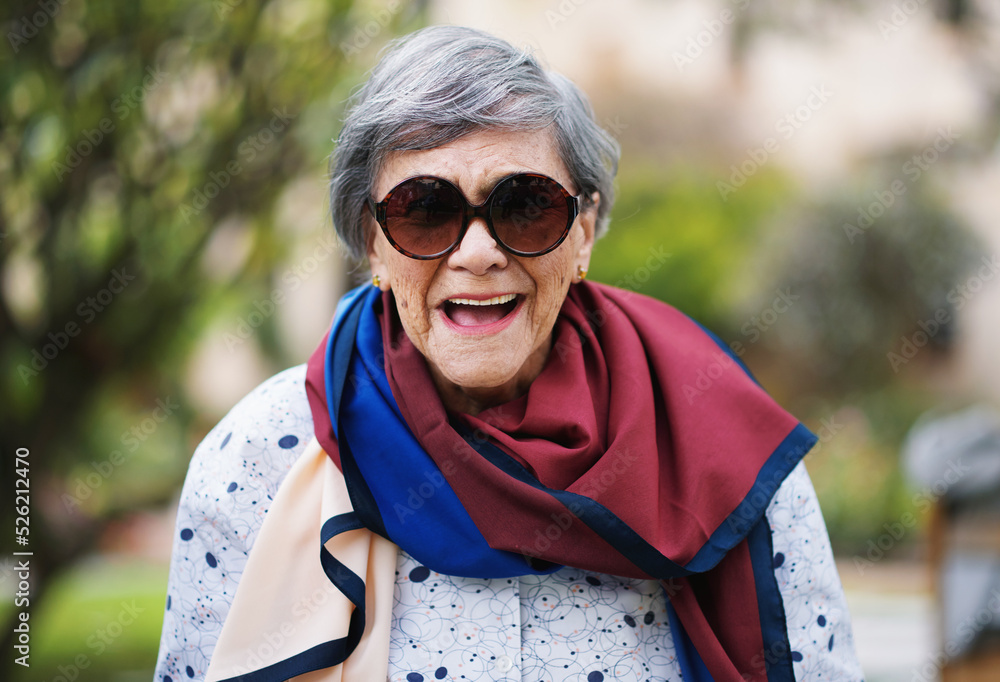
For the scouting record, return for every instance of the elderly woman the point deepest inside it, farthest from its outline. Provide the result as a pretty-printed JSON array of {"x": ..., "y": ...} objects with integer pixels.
[{"x": 492, "y": 469}]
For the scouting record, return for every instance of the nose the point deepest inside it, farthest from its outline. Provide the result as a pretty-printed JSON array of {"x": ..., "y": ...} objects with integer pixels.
[{"x": 478, "y": 251}]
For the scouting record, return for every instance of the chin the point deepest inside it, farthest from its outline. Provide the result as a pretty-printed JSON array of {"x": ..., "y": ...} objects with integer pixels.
[
  {"x": 489, "y": 371},
  {"x": 475, "y": 378}
]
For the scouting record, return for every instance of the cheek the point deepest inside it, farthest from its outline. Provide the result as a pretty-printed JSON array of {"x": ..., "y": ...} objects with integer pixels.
[
  {"x": 552, "y": 282},
  {"x": 409, "y": 294},
  {"x": 410, "y": 286}
]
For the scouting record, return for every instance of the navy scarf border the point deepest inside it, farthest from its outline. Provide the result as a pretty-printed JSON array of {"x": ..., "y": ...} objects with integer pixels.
[{"x": 336, "y": 651}]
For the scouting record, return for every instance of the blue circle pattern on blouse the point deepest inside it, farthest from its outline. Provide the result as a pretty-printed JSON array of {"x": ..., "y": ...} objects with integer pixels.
[{"x": 420, "y": 574}]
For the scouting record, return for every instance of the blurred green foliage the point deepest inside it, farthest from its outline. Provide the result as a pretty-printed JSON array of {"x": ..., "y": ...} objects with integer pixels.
[
  {"x": 132, "y": 135},
  {"x": 102, "y": 621},
  {"x": 873, "y": 272},
  {"x": 866, "y": 281},
  {"x": 856, "y": 473},
  {"x": 674, "y": 238}
]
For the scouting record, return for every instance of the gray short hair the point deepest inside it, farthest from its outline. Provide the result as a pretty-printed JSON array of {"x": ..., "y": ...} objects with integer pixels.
[{"x": 441, "y": 83}]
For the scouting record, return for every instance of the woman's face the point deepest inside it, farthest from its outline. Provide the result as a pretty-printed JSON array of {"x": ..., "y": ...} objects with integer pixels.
[{"x": 481, "y": 355}]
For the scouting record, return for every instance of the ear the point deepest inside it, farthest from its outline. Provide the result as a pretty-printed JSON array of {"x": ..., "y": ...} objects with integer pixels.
[
  {"x": 588, "y": 221},
  {"x": 375, "y": 261}
]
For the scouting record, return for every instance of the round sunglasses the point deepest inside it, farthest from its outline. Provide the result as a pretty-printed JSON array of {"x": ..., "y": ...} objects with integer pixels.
[{"x": 426, "y": 217}]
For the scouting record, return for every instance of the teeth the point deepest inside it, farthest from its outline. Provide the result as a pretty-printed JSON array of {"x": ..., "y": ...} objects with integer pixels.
[{"x": 496, "y": 300}]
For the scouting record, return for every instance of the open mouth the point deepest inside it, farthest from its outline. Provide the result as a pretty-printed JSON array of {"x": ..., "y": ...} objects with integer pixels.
[{"x": 467, "y": 312}]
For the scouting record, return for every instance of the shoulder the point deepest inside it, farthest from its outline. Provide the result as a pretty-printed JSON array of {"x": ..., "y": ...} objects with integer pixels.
[
  {"x": 801, "y": 544},
  {"x": 817, "y": 618},
  {"x": 268, "y": 424},
  {"x": 278, "y": 404},
  {"x": 238, "y": 467},
  {"x": 231, "y": 481}
]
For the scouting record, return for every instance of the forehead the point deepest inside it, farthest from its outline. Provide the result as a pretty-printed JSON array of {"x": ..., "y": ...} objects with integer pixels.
[{"x": 477, "y": 161}]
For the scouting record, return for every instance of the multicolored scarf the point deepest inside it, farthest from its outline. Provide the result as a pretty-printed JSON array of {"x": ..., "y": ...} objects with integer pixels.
[{"x": 643, "y": 449}]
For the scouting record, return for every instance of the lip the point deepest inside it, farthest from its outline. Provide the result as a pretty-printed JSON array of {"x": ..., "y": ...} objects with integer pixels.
[{"x": 481, "y": 329}]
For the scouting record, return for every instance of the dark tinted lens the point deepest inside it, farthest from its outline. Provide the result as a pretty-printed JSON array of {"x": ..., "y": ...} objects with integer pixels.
[
  {"x": 530, "y": 213},
  {"x": 424, "y": 215}
]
